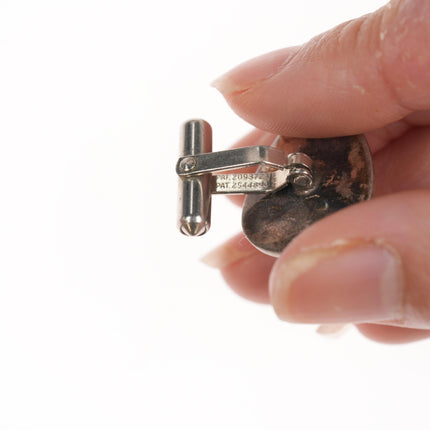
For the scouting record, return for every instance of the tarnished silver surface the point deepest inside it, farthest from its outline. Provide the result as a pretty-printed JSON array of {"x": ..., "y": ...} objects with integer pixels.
[{"x": 342, "y": 175}]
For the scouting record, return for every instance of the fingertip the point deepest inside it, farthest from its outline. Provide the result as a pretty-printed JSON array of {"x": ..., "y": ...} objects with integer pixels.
[
  {"x": 251, "y": 73},
  {"x": 244, "y": 268},
  {"x": 228, "y": 253},
  {"x": 249, "y": 277},
  {"x": 237, "y": 199},
  {"x": 366, "y": 263},
  {"x": 392, "y": 334},
  {"x": 378, "y": 73},
  {"x": 351, "y": 281}
]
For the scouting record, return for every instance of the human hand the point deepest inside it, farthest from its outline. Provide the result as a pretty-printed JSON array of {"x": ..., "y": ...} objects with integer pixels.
[{"x": 368, "y": 264}]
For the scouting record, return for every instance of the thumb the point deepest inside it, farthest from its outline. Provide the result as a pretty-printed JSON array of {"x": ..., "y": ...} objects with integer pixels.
[
  {"x": 357, "y": 77},
  {"x": 367, "y": 263}
]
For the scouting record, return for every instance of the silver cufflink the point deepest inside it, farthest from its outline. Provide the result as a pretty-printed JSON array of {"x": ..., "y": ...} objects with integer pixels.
[{"x": 298, "y": 182}]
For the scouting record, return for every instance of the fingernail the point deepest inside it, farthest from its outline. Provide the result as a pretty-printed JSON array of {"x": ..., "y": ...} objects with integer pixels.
[
  {"x": 333, "y": 331},
  {"x": 234, "y": 250},
  {"x": 339, "y": 284},
  {"x": 249, "y": 74}
]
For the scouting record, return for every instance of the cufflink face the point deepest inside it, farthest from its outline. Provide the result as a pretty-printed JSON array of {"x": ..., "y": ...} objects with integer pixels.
[
  {"x": 299, "y": 181},
  {"x": 342, "y": 175}
]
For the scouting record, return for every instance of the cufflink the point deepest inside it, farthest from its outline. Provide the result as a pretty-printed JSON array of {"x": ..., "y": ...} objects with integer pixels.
[{"x": 298, "y": 182}]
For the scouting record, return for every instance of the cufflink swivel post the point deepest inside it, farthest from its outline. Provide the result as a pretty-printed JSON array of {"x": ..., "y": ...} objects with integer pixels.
[{"x": 298, "y": 182}]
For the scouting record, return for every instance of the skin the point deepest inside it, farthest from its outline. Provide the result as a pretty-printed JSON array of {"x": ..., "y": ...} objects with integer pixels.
[{"x": 370, "y": 75}]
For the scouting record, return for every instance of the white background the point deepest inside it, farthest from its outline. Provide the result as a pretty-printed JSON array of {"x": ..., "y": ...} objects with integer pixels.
[{"x": 107, "y": 318}]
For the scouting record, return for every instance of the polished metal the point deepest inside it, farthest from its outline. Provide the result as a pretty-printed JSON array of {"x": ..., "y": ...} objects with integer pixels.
[
  {"x": 300, "y": 170},
  {"x": 232, "y": 159},
  {"x": 187, "y": 164},
  {"x": 194, "y": 191},
  {"x": 295, "y": 166}
]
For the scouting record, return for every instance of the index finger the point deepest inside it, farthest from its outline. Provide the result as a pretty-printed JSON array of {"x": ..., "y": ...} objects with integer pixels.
[{"x": 359, "y": 76}]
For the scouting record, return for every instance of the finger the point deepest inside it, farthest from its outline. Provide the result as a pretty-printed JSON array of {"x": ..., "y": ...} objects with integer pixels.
[
  {"x": 254, "y": 138},
  {"x": 359, "y": 76},
  {"x": 238, "y": 257},
  {"x": 395, "y": 170},
  {"x": 243, "y": 267},
  {"x": 377, "y": 139},
  {"x": 390, "y": 334},
  {"x": 418, "y": 118},
  {"x": 405, "y": 164},
  {"x": 381, "y": 137},
  {"x": 367, "y": 263}
]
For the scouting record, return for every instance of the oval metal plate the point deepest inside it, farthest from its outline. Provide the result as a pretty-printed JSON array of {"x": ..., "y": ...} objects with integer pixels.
[{"x": 343, "y": 175}]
